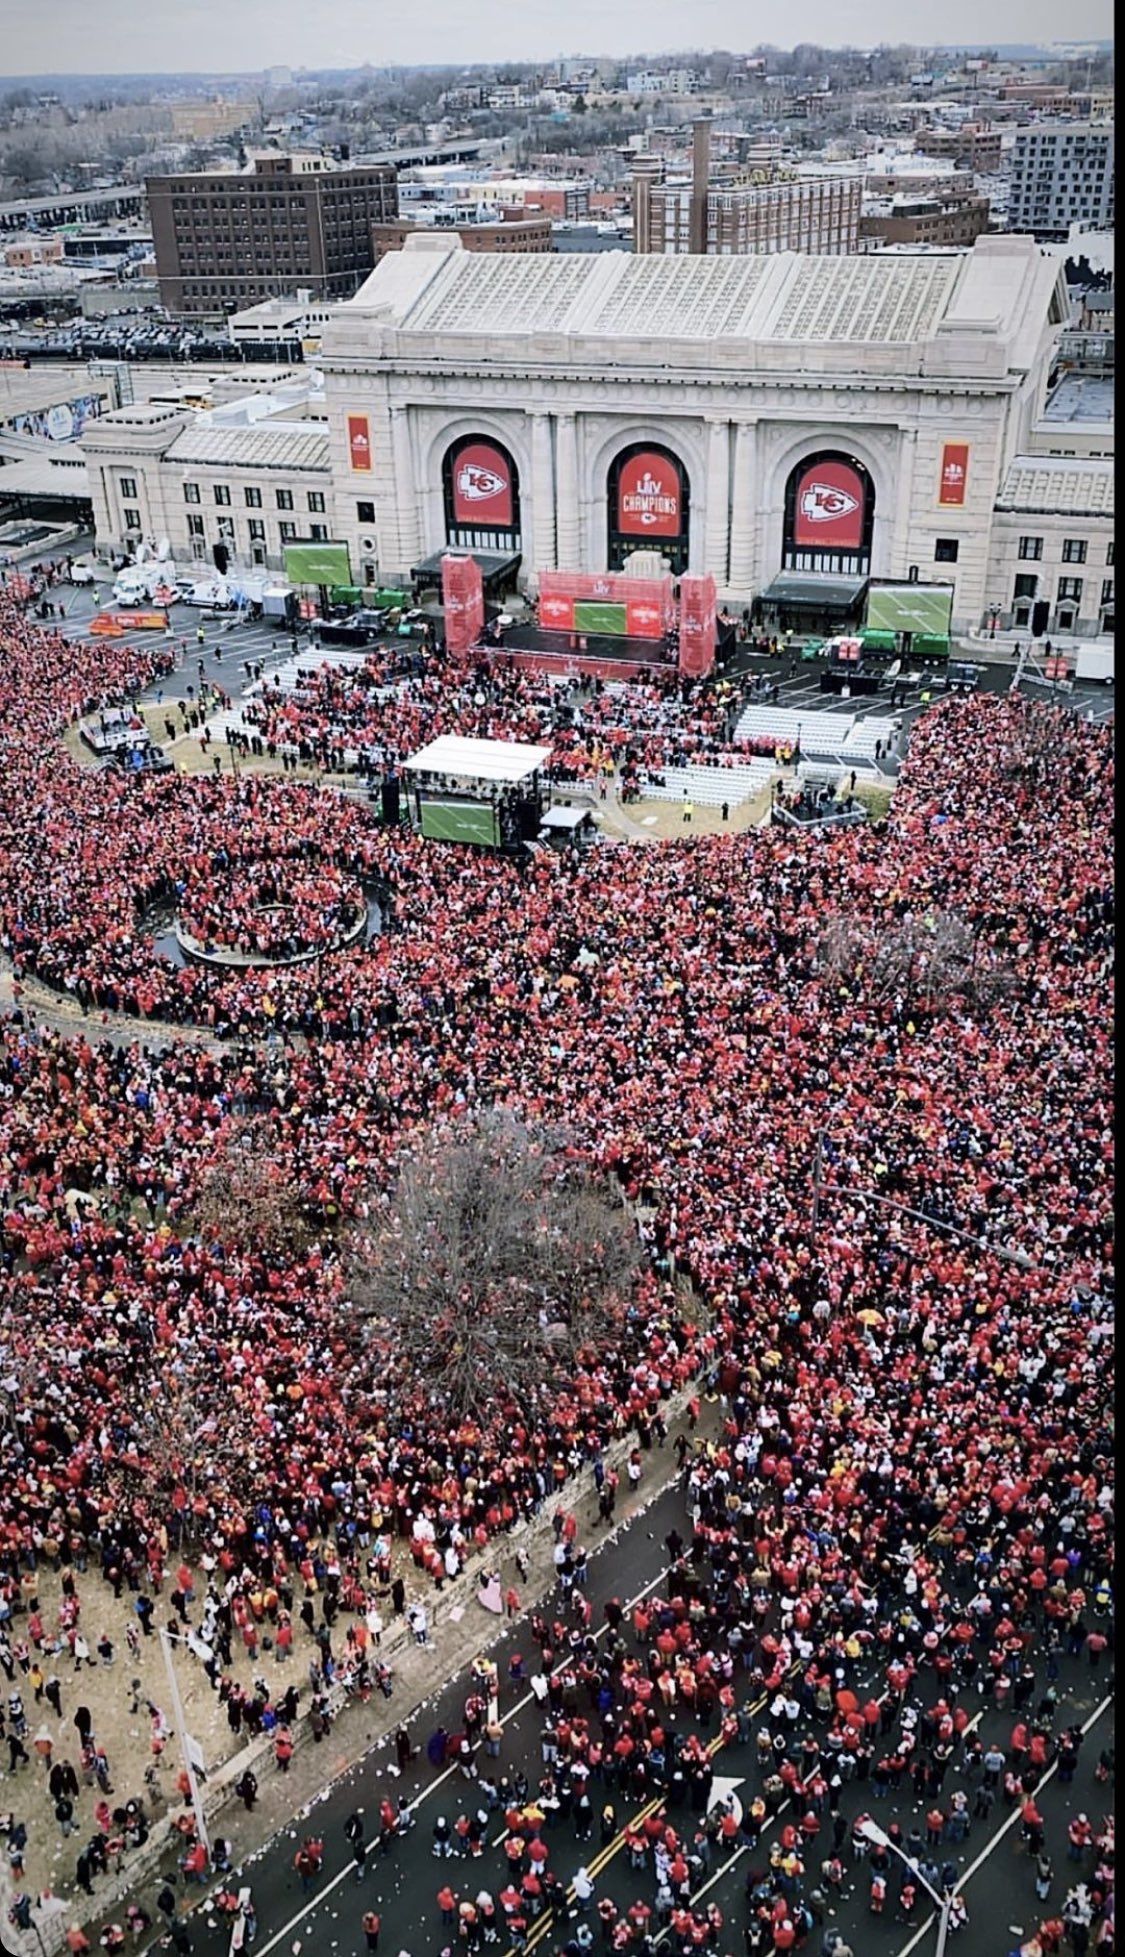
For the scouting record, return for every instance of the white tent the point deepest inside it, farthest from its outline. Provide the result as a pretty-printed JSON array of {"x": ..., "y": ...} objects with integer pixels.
[{"x": 503, "y": 762}]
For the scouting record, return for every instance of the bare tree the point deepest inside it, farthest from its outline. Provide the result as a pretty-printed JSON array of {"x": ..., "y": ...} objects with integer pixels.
[
  {"x": 494, "y": 1267},
  {"x": 245, "y": 1199},
  {"x": 929, "y": 963},
  {"x": 841, "y": 947},
  {"x": 180, "y": 1441}
]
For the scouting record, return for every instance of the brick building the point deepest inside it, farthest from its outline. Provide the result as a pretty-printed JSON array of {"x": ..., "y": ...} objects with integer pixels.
[
  {"x": 765, "y": 211},
  {"x": 913, "y": 219},
  {"x": 521, "y": 234},
  {"x": 975, "y": 146},
  {"x": 226, "y": 240}
]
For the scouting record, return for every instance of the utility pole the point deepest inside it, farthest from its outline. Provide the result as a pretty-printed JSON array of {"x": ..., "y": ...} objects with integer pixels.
[
  {"x": 166, "y": 1639},
  {"x": 817, "y": 1185}
]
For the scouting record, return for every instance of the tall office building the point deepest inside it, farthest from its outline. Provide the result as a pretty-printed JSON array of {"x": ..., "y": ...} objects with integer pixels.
[
  {"x": 1062, "y": 174},
  {"x": 765, "y": 211},
  {"x": 226, "y": 240}
]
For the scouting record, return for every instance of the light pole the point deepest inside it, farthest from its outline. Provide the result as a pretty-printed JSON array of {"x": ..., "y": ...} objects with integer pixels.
[
  {"x": 872, "y": 1832},
  {"x": 1018, "y": 1257},
  {"x": 166, "y": 1641},
  {"x": 818, "y": 1159}
]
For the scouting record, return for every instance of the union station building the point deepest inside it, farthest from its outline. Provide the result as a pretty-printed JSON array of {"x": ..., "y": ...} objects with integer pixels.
[{"x": 795, "y": 425}]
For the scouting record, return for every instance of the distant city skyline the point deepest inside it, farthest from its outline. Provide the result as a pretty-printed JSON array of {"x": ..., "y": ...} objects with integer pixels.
[{"x": 70, "y": 37}]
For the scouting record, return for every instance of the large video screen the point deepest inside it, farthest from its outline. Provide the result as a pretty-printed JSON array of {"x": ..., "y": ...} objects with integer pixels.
[
  {"x": 910, "y": 608},
  {"x": 607, "y": 619},
  {"x": 317, "y": 564},
  {"x": 460, "y": 822}
]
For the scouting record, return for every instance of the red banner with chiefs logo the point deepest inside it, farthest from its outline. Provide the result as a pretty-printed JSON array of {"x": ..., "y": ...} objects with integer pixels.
[
  {"x": 556, "y": 613},
  {"x": 954, "y": 475},
  {"x": 831, "y": 506},
  {"x": 650, "y": 497},
  {"x": 482, "y": 487},
  {"x": 359, "y": 441},
  {"x": 697, "y": 625},
  {"x": 462, "y": 595}
]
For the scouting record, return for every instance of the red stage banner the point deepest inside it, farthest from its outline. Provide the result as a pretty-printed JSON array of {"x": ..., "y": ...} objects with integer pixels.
[
  {"x": 644, "y": 619},
  {"x": 556, "y": 614},
  {"x": 462, "y": 592},
  {"x": 954, "y": 475},
  {"x": 359, "y": 442},
  {"x": 697, "y": 625},
  {"x": 650, "y": 496},
  {"x": 482, "y": 486},
  {"x": 831, "y": 506}
]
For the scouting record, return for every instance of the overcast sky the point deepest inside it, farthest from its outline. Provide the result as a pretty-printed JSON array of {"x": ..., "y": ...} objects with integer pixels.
[{"x": 209, "y": 36}]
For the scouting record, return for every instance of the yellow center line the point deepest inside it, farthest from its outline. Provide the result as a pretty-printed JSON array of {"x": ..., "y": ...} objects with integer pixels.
[{"x": 605, "y": 1855}]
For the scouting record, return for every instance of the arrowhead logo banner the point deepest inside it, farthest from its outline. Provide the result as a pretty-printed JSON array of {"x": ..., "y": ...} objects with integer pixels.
[
  {"x": 954, "y": 475},
  {"x": 482, "y": 486},
  {"x": 831, "y": 507}
]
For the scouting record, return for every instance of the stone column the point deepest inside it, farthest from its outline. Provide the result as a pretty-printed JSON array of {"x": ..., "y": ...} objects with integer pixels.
[
  {"x": 716, "y": 514},
  {"x": 406, "y": 495},
  {"x": 568, "y": 525},
  {"x": 542, "y": 539},
  {"x": 892, "y": 557},
  {"x": 744, "y": 570}
]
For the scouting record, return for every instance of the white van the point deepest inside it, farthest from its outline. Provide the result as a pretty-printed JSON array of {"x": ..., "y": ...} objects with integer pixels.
[{"x": 1094, "y": 663}]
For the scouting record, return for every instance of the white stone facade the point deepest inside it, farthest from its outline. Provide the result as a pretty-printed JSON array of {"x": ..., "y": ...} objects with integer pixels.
[{"x": 741, "y": 369}]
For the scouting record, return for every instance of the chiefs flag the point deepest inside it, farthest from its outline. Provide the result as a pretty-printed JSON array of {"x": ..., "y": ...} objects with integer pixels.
[
  {"x": 462, "y": 593},
  {"x": 697, "y": 625},
  {"x": 649, "y": 496},
  {"x": 954, "y": 475},
  {"x": 359, "y": 442},
  {"x": 831, "y": 506},
  {"x": 482, "y": 487}
]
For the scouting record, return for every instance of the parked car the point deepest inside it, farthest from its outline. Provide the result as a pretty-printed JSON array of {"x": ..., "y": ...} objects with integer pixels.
[{"x": 961, "y": 676}]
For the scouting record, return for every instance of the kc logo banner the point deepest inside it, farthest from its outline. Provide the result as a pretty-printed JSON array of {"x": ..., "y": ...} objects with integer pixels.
[{"x": 831, "y": 506}]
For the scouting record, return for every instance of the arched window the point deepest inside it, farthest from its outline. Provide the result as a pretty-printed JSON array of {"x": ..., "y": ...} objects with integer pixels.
[
  {"x": 481, "y": 485},
  {"x": 829, "y": 516},
  {"x": 648, "y": 506}
]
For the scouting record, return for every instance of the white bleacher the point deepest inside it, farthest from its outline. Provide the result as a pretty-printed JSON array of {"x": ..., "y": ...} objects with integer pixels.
[
  {"x": 864, "y": 734},
  {"x": 710, "y": 787},
  {"x": 820, "y": 733}
]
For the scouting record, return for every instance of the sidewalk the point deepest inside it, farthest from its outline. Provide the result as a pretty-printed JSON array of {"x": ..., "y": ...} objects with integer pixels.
[{"x": 459, "y": 1628}]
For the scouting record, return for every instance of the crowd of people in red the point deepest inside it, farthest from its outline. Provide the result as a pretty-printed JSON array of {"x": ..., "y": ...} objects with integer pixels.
[
  {"x": 372, "y": 718},
  {"x": 913, "y": 1395},
  {"x": 267, "y": 912}
]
